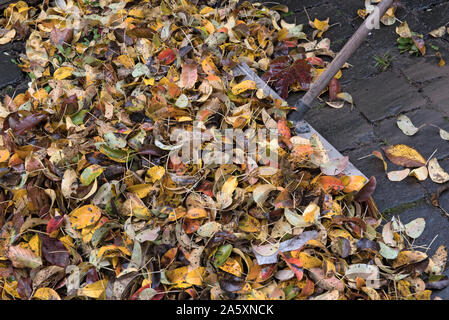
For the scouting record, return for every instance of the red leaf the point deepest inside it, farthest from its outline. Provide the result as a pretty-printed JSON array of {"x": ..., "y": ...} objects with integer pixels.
[
  {"x": 28, "y": 123},
  {"x": 295, "y": 265},
  {"x": 54, "y": 223},
  {"x": 334, "y": 89},
  {"x": 283, "y": 129},
  {"x": 315, "y": 61},
  {"x": 167, "y": 56},
  {"x": 282, "y": 74}
]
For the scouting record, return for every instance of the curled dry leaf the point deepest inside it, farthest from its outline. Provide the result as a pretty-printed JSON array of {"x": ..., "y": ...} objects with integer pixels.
[
  {"x": 439, "y": 32},
  {"x": 398, "y": 175},
  {"x": 444, "y": 134},
  {"x": 415, "y": 228},
  {"x": 436, "y": 173},
  {"x": 405, "y": 124},
  {"x": 420, "y": 173}
]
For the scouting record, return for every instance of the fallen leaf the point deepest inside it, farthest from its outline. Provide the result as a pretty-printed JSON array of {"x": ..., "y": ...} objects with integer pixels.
[
  {"x": 405, "y": 156},
  {"x": 405, "y": 124},
  {"x": 398, "y": 175},
  {"x": 436, "y": 173}
]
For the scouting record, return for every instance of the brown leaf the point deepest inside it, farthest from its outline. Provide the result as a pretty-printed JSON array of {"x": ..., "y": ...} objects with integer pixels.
[
  {"x": 54, "y": 251},
  {"x": 23, "y": 258},
  {"x": 189, "y": 75},
  {"x": 334, "y": 89},
  {"x": 60, "y": 37},
  {"x": 27, "y": 123},
  {"x": 420, "y": 44},
  {"x": 405, "y": 156}
]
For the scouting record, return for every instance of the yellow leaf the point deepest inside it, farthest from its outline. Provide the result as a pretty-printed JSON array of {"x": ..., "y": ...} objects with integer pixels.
[
  {"x": 134, "y": 206},
  {"x": 176, "y": 214},
  {"x": 206, "y": 10},
  {"x": 438, "y": 33},
  {"x": 156, "y": 173},
  {"x": 321, "y": 25},
  {"x": 208, "y": 26},
  {"x": 84, "y": 216},
  {"x": 230, "y": 185},
  {"x": 46, "y": 294},
  {"x": 195, "y": 277},
  {"x": 137, "y": 12},
  {"x": 423, "y": 295},
  {"x": 63, "y": 72},
  {"x": 403, "y": 288},
  {"x": 140, "y": 190},
  {"x": 403, "y": 30},
  {"x": 149, "y": 82},
  {"x": 176, "y": 275},
  {"x": 353, "y": 183},
  {"x": 408, "y": 257},
  {"x": 249, "y": 224},
  {"x": 35, "y": 245},
  {"x": 196, "y": 213},
  {"x": 183, "y": 278},
  {"x": 244, "y": 86},
  {"x": 209, "y": 66},
  {"x": 308, "y": 261},
  {"x": 4, "y": 155},
  {"x": 125, "y": 61},
  {"x": 232, "y": 266},
  {"x": 405, "y": 156},
  {"x": 11, "y": 288},
  {"x": 442, "y": 63},
  {"x": 111, "y": 251},
  {"x": 94, "y": 290},
  {"x": 67, "y": 241},
  {"x": 311, "y": 213}
]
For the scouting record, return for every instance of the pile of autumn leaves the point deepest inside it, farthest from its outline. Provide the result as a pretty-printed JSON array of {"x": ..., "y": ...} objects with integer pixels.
[{"x": 94, "y": 207}]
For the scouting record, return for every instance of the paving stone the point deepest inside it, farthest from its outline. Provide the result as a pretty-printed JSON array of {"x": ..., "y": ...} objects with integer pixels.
[
  {"x": 388, "y": 194},
  {"x": 3, "y": 2},
  {"x": 433, "y": 17},
  {"x": 436, "y": 226},
  {"x": 421, "y": 4},
  {"x": 426, "y": 140},
  {"x": 385, "y": 95},
  {"x": 10, "y": 73},
  {"x": 444, "y": 197},
  {"x": 295, "y": 5},
  {"x": 362, "y": 62},
  {"x": 422, "y": 69},
  {"x": 343, "y": 128},
  {"x": 438, "y": 94}
]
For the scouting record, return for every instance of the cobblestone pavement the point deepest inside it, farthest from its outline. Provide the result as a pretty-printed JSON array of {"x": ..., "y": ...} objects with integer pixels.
[{"x": 414, "y": 86}]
